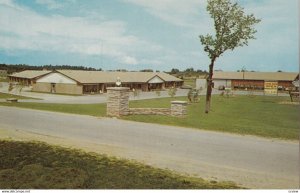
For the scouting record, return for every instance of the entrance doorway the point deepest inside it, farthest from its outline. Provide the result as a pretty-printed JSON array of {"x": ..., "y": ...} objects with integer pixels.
[{"x": 53, "y": 89}]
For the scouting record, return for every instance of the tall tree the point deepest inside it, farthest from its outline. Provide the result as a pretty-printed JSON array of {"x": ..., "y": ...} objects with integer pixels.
[{"x": 232, "y": 29}]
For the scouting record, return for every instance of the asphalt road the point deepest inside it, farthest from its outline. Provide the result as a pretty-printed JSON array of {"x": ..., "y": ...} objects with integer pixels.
[{"x": 250, "y": 161}]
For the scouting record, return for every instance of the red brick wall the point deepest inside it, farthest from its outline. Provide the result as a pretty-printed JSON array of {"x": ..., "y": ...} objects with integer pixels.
[
  {"x": 285, "y": 84},
  {"x": 255, "y": 84}
]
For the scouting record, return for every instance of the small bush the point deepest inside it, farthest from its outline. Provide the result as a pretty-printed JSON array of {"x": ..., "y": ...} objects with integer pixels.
[{"x": 172, "y": 91}]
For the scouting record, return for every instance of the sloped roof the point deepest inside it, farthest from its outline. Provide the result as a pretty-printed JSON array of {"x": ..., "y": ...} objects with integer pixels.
[
  {"x": 284, "y": 76},
  {"x": 111, "y": 77},
  {"x": 30, "y": 73}
]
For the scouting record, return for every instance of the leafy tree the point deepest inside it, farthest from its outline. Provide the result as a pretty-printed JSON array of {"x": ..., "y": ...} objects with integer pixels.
[
  {"x": 136, "y": 93},
  {"x": 11, "y": 68},
  {"x": 10, "y": 87},
  {"x": 146, "y": 70},
  {"x": 189, "y": 70},
  {"x": 232, "y": 29},
  {"x": 174, "y": 71},
  {"x": 172, "y": 91}
]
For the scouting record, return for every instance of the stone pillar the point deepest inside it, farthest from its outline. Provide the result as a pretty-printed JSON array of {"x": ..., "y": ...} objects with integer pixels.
[
  {"x": 178, "y": 108},
  {"x": 117, "y": 101}
]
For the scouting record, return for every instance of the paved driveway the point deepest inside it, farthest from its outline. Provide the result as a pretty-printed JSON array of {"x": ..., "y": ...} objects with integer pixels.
[
  {"x": 100, "y": 98},
  {"x": 251, "y": 161},
  {"x": 83, "y": 99}
]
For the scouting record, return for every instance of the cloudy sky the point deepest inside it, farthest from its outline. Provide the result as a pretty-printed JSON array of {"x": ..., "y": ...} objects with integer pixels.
[{"x": 141, "y": 34}]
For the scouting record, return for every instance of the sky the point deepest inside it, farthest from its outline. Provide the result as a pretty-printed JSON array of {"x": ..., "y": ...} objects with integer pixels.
[{"x": 142, "y": 34}]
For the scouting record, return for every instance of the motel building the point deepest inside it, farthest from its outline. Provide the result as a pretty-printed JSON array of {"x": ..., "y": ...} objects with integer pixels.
[
  {"x": 254, "y": 80},
  {"x": 251, "y": 80},
  {"x": 91, "y": 82}
]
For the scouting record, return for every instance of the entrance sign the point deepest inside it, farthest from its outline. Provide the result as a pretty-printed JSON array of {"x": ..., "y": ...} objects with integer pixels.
[{"x": 270, "y": 87}]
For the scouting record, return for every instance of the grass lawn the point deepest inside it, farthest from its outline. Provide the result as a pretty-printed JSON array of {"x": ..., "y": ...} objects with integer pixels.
[
  {"x": 5, "y": 95},
  {"x": 253, "y": 115},
  {"x": 33, "y": 165},
  {"x": 57, "y": 93},
  {"x": 82, "y": 109}
]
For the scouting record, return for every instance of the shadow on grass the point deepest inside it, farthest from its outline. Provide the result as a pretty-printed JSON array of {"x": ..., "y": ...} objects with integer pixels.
[{"x": 35, "y": 165}]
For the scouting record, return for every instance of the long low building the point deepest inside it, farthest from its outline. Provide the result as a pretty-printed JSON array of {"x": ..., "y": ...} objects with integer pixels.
[
  {"x": 253, "y": 80},
  {"x": 27, "y": 77},
  {"x": 87, "y": 82}
]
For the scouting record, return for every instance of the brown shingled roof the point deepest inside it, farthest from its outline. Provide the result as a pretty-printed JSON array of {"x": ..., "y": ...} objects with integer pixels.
[
  {"x": 30, "y": 73},
  {"x": 111, "y": 77},
  {"x": 283, "y": 76}
]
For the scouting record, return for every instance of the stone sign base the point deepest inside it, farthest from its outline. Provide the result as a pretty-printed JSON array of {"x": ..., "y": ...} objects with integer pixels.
[
  {"x": 118, "y": 101},
  {"x": 178, "y": 108},
  {"x": 118, "y": 105}
]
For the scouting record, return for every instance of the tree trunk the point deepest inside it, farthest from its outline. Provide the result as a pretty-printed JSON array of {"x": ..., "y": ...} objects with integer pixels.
[{"x": 209, "y": 86}]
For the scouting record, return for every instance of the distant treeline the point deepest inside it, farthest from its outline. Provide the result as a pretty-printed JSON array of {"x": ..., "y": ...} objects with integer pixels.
[
  {"x": 11, "y": 68},
  {"x": 189, "y": 72}
]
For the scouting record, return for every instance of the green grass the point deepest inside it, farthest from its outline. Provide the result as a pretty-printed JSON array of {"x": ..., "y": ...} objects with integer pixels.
[
  {"x": 33, "y": 165},
  {"x": 82, "y": 109},
  {"x": 253, "y": 115},
  {"x": 63, "y": 94},
  {"x": 5, "y": 95}
]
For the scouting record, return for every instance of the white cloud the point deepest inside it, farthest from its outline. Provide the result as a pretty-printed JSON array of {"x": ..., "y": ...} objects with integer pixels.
[
  {"x": 188, "y": 13},
  {"x": 129, "y": 60},
  {"x": 9, "y": 3},
  {"x": 277, "y": 32},
  {"x": 277, "y": 35},
  {"x": 96, "y": 35},
  {"x": 51, "y": 4},
  {"x": 24, "y": 29}
]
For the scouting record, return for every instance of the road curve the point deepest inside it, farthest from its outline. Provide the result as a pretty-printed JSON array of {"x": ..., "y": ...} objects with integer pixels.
[{"x": 252, "y": 162}]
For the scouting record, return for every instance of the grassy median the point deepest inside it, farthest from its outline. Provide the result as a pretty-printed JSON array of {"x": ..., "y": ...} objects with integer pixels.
[
  {"x": 253, "y": 115},
  {"x": 35, "y": 165}
]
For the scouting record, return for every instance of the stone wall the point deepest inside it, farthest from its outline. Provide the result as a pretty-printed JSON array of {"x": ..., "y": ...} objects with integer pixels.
[
  {"x": 178, "y": 108},
  {"x": 118, "y": 105},
  {"x": 149, "y": 111}
]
